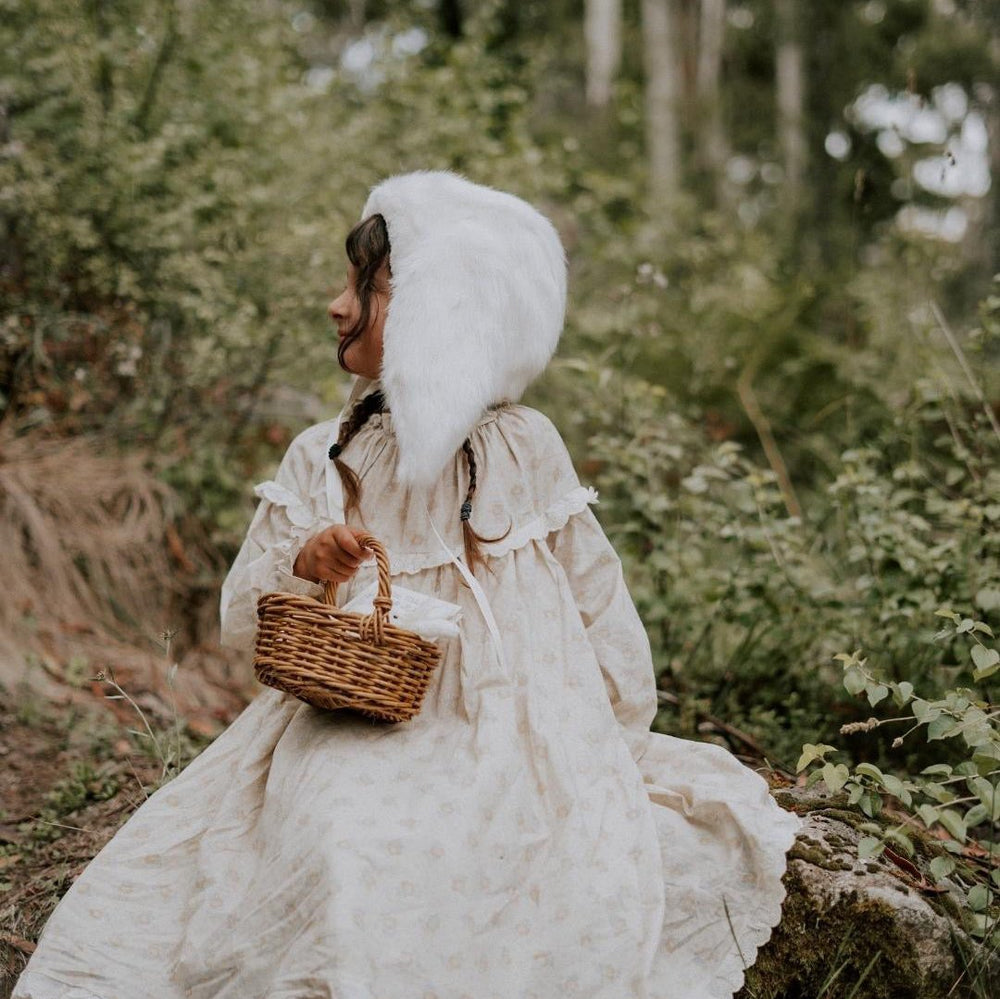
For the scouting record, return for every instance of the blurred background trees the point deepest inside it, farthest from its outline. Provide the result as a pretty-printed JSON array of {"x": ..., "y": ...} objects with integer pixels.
[{"x": 771, "y": 208}]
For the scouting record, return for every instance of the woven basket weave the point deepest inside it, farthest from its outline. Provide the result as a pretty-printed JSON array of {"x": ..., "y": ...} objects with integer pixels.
[{"x": 333, "y": 659}]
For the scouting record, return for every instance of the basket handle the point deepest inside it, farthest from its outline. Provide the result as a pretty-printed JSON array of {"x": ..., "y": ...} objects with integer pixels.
[{"x": 372, "y": 624}]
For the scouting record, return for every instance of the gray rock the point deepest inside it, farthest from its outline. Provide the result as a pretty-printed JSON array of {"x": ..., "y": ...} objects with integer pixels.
[{"x": 864, "y": 929}]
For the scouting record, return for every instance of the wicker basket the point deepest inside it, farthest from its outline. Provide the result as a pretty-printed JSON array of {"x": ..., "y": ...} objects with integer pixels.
[{"x": 333, "y": 659}]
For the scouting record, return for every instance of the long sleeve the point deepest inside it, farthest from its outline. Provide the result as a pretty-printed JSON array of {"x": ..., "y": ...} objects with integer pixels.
[
  {"x": 613, "y": 626},
  {"x": 292, "y": 509}
]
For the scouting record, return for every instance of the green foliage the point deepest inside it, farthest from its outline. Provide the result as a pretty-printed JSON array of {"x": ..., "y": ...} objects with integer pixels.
[
  {"x": 85, "y": 783},
  {"x": 747, "y": 603},
  {"x": 935, "y": 796}
]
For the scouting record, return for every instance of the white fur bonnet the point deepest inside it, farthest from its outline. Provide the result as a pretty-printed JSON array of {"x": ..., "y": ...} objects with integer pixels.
[{"x": 478, "y": 295}]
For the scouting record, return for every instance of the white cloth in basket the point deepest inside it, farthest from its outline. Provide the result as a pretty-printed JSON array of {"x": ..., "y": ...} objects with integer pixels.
[{"x": 428, "y": 616}]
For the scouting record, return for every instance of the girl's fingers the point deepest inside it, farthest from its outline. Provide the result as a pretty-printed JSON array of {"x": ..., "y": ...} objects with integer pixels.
[
  {"x": 334, "y": 563},
  {"x": 349, "y": 543},
  {"x": 338, "y": 554},
  {"x": 343, "y": 561},
  {"x": 340, "y": 573},
  {"x": 335, "y": 572}
]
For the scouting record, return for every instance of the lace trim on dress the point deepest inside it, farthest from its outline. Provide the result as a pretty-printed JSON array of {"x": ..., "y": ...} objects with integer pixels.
[
  {"x": 538, "y": 528},
  {"x": 296, "y": 509},
  {"x": 768, "y": 903},
  {"x": 759, "y": 903}
]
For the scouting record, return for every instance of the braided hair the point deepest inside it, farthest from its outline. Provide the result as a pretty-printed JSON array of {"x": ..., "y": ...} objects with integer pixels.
[{"x": 361, "y": 412}]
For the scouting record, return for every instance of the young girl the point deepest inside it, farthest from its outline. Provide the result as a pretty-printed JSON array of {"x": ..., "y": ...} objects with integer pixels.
[{"x": 525, "y": 835}]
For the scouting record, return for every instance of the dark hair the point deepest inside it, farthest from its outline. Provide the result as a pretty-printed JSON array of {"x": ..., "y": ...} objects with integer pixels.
[
  {"x": 367, "y": 246},
  {"x": 367, "y": 249}
]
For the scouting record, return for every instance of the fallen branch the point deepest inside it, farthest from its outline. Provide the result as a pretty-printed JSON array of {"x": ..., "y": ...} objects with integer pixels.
[{"x": 762, "y": 425}]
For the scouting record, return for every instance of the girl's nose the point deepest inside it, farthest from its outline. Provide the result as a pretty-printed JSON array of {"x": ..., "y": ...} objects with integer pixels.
[{"x": 336, "y": 310}]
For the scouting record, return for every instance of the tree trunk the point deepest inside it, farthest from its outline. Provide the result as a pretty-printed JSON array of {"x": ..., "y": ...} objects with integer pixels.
[
  {"x": 992, "y": 112},
  {"x": 450, "y": 16},
  {"x": 356, "y": 14},
  {"x": 602, "y": 28},
  {"x": 659, "y": 34},
  {"x": 790, "y": 85},
  {"x": 713, "y": 149}
]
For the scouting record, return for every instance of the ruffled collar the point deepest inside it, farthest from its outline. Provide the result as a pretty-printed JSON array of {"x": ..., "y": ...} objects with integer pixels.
[{"x": 383, "y": 419}]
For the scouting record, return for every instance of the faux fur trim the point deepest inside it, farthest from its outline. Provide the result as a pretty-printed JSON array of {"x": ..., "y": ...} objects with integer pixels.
[{"x": 478, "y": 296}]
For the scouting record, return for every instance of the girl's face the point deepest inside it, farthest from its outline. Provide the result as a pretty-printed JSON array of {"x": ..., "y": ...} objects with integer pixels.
[{"x": 364, "y": 355}]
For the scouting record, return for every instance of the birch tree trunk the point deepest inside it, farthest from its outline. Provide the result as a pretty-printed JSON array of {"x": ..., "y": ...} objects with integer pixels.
[
  {"x": 993, "y": 130},
  {"x": 790, "y": 84},
  {"x": 602, "y": 29},
  {"x": 659, "y": 37},
  {"x": 356, "y": 13},
  {"x": 713, "y": 149}
]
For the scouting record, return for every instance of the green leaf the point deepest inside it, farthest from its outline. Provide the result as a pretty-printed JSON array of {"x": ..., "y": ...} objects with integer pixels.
[
  {"x": 987, "y": 793},
  {"x": 871, "y": 804},
  {"x": 877, "y": 693},
  {"x": 976, "y": 814},
  {"x": 835, "y": 775},
  {"x": 928, "y": 814},
  {"x": 938, "y": 768},
  {"x": 851, "y": 659},
  {"x": 938, "y": 792},
  {"x": 815, "y": 776},
  {"x": 966, "y": 625},
  {"x": 950, "y": 614},
  {"x": 869, "y": 770},
  {"x": 869, "y": 846},
  {"x": 977, "y": 923},
  {"x": 893, "y": 785},
  {"x": 941, "y": 867},
  {"x": 942, "y": 727},
  {"x": 979, "y": 898},
  {"x": 901, "y": 840},
  {"x": 902, "y": 692},
  {"x": 812, "y": 752},
  {"x": 987, "y": 661},
  {"x": 988, "y": 598},
  {"x": 925, "y": 711},
  {"x": 953, "y": 822},
  {"x": 854, "y": 681}
]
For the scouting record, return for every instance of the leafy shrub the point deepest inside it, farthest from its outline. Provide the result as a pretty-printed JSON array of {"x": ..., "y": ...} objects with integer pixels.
[{"x": 746, "y": 603}]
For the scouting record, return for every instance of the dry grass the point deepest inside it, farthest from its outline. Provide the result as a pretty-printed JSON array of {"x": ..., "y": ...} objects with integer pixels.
[
  {"x": 82, "y": 532},
  {"x": 94, "y": 576}
]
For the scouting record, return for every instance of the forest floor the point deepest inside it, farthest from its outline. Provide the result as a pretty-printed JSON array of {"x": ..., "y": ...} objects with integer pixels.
[{"x": 73, "y": 769}]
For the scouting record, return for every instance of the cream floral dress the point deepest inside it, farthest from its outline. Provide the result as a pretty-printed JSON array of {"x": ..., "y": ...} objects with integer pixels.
[{"x": 524, "y": 837}]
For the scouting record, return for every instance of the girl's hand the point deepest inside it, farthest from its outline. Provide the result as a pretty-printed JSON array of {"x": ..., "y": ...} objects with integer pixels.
[{"x": 333, "y": 554}]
